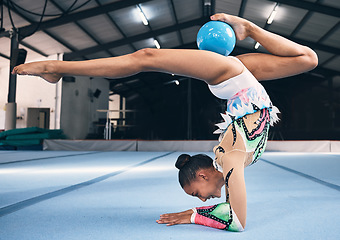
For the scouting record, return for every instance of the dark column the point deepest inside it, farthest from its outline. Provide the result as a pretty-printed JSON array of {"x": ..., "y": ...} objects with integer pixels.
[
  {"x": 13, "y": 78},
  {"x": 331, "y": 102},
  {"x": 10, "y": 120},
  {"x": 189, "y": 100}
]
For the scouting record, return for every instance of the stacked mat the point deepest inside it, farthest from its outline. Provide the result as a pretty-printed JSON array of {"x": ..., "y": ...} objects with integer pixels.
[{"x": 27, "y": 137}]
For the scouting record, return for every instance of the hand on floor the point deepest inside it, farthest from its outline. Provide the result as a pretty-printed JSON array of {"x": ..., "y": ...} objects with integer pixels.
[{"x": 175, "y": 218}]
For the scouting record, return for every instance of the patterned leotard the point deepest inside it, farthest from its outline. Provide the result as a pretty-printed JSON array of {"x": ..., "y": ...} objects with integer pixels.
[{"x": 245, "y": 95}]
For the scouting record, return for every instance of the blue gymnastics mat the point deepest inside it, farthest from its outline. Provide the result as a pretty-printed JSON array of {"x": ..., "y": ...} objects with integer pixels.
[{"x": 120, "y": 195}]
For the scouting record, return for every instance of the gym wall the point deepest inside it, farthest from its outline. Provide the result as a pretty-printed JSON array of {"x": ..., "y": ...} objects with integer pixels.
[{"x": 31, "y": 92}]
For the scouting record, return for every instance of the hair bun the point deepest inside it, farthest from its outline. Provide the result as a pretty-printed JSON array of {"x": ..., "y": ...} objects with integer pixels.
[{"x": 182, "y": 160}]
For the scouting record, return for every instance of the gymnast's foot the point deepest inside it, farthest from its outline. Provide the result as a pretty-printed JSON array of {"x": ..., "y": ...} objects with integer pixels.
[
  {"x": 44, "y": 69},
  {"x": 241, "y": 27}
]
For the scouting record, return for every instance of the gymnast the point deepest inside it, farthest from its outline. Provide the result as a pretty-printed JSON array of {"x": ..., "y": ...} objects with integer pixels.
[{"x": 247, "y": 118}]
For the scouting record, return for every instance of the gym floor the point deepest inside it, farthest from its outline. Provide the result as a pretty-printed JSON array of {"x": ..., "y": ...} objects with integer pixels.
[{"x": 120, "y": 195}]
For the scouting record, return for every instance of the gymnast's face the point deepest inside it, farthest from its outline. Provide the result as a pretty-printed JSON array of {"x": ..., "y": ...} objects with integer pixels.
[{"x": 206, "y": 185}]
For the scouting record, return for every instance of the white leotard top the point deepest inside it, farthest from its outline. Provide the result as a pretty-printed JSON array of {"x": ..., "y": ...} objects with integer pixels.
[
  {"x": 228, "y": 88},
  {"x": 244, "y": 95}
]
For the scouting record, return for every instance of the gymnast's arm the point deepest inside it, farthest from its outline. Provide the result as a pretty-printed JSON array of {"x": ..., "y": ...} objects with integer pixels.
[
  {"x": 229, "y": 215},
  {"x": 287, "y": 58},
  {"x": 232, "y": 214},
  {"x": 233, "y": 162}
]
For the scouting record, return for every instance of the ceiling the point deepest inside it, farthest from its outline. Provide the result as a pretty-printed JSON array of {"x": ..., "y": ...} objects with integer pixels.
[{"x": 87, "y": 29}]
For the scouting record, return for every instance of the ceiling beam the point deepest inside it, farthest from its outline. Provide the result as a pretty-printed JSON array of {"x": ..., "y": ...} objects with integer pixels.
[
  {"x": 8, "y": 34},
  {"x": 116, "y": 25},
  {"x": 173, "y": 10},
  {"x": 316, "y": 46},
  {"x": 326, "y": 72},
  {"x": 315, "y": 7},
  {"x": 303, "y": 21},
  {"x": 81, "y": 15},
  {"x": 328, "y": 61},
  {"x": 33, "y": 48},
  {"x": 213, "y": 7},
  {"x": 5, "y": 56},
  {"x": 56, "y": 38},
  {"x": 208, "y": 8},
  {"x": 5, "y": 34},
  {"x": 200, "y": 21},
  {"x": 80, "y": 26},
  {"x": 151, "y": 34},
  {"x": 242, "y": 8},
  {"x": 29, "y": 47},
  {"x": 330, "y": 32}
]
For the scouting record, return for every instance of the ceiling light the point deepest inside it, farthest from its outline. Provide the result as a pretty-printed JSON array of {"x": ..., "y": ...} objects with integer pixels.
[
  {"x": 156, "y": 44},
  {"x": 257, "y": 45},
  {"x": 177, "y": 82},
  {"x": 207, "y": 2},
  {"x": 273, "y": 14},
  {"x": 142, "y": 15}
]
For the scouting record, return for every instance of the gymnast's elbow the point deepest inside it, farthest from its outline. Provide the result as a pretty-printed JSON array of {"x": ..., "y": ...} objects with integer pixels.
[
  {"x": 243, "y": 226},
  {"x": 237, "y": 228},
  {"x": 238, "y": 225},
  {"x": 240, "y": 221}
]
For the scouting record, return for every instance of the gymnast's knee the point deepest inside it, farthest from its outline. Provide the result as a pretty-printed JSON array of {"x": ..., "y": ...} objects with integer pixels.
[{"x": 145, "y": 57}]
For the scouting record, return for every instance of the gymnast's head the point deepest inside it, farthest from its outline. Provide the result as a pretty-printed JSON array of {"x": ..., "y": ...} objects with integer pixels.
[{"x": 198, "y": 177}]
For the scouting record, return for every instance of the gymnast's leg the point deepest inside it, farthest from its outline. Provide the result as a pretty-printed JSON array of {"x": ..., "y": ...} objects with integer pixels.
[{"x": 208, "y": 66}]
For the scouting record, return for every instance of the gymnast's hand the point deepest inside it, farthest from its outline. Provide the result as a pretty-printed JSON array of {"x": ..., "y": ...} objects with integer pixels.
[
  {"x": 175, "y": 218},
  {"x": 242, "y": 27}
]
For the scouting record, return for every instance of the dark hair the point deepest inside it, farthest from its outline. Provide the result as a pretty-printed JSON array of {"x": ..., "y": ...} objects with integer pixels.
[{"x": 188, "y": 166}]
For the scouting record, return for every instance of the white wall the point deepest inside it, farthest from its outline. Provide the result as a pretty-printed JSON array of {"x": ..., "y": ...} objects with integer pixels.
[
  {"x": 78, "y": 112},
  {"x": 115, "y": 104},
  {"x": 75, "y": 113},
  {"x": 31, "y": 92}
]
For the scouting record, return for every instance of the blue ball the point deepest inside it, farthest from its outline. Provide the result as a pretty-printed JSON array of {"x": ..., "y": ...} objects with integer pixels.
[{"x": 217, "y": 37}]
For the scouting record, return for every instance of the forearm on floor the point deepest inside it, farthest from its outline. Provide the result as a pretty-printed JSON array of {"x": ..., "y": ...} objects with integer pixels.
[{"x": 220, "y": 216}]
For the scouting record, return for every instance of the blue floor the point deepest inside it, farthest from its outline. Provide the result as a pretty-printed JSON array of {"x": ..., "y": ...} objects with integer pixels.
[{"x": 119, "y": 195}]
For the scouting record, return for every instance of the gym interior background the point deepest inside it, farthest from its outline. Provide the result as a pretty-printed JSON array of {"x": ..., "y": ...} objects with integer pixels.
[{"x": 157, "y": 106}]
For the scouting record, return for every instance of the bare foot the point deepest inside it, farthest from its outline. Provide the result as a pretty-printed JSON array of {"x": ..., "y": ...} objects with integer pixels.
[
  {"x": 44, "y": 69},
  {"x": 242, "y": 27}
]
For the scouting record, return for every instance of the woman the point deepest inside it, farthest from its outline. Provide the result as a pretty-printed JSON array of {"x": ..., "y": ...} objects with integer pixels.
[{"x": 247, "y": 118}]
